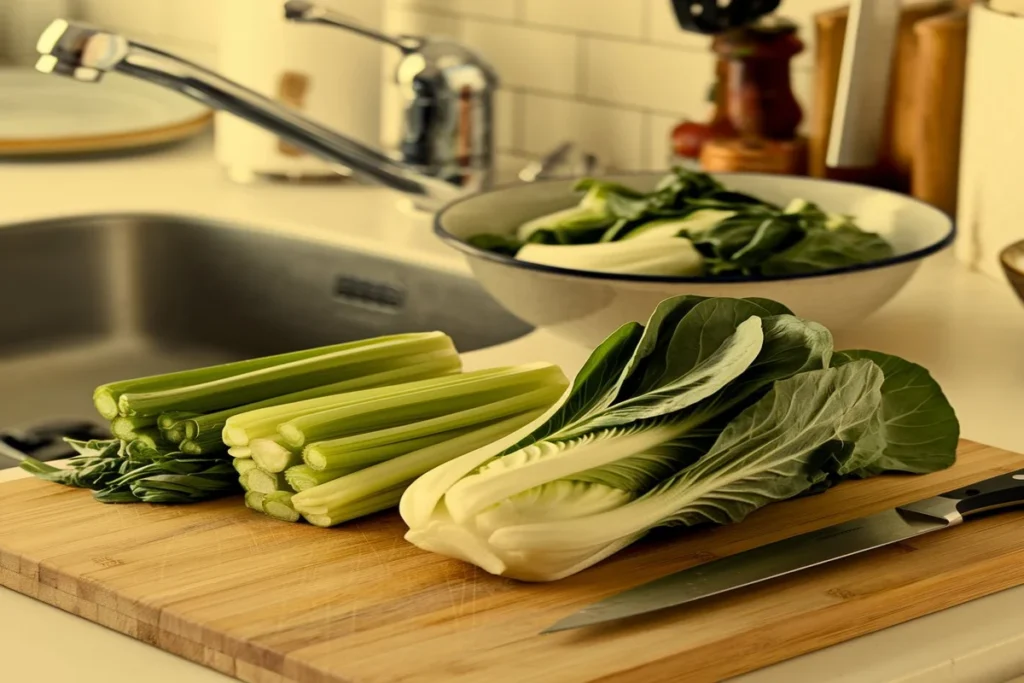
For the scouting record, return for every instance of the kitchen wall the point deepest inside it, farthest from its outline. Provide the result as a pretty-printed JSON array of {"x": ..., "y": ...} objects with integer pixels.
[{"x": 614, "y": 75}]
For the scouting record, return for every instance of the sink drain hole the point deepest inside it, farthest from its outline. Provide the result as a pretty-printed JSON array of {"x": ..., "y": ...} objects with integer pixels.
[{"x": 370, "y": 294}]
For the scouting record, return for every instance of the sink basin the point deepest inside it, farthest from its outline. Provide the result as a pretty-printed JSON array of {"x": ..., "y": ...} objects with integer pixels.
[{"x": 90, "y": 300}]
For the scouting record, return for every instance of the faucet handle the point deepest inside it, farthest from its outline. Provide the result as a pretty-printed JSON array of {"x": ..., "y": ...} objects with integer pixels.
[{"x": 447, "y": 98}]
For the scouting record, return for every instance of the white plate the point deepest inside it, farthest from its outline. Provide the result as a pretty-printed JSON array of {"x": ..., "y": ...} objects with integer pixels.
[{"x": 42, "y": 113}]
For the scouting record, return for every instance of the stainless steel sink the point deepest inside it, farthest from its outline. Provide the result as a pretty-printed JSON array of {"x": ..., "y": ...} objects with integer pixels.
[{"x": 90, "y": 300}]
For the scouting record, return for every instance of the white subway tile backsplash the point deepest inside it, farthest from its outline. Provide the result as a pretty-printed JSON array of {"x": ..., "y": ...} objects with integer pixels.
[
  {"x": 506, "y": 119},
  {"x": 201, "y": 53},
  {"x": 613, "y": 134},
  {"x": 507, "y": 166},
  {"x": 142, "y": 17},
  {"x": 494, "y": 9},
  {"x": 612, "y": 17},
  {"x": 449, "y": 6},
  {"x": 524, "y": 57},
  {"x": 662, "y": 27},
  {"x": 547, "y": 122},
  {"x": 411, "y": 22},
  {"x": 197, "y": 21},
  {"x": 612, "y": 75},
  {"x": 659, "y": 136},
  {"x": 647, "y": 76}
]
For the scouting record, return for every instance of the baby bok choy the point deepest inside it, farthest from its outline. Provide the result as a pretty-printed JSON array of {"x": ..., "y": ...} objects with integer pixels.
[
  {"x": 693, "y": 226},
  {"x": 715, "y": 408}
]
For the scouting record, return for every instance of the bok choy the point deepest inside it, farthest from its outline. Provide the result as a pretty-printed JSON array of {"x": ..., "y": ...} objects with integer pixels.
[
  {"x": 693, "y": 226},
  {"x": 715, "y": 408}
]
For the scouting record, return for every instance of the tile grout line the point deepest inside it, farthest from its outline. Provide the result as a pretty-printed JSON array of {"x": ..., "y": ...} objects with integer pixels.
[
  {"x": 582, "y": 62},
  {"x": 645, "y": 138},
  {"x": 561, "y": 30},
  {"x": 519, "y": 120},
  {"x": 587, "y": 99}
]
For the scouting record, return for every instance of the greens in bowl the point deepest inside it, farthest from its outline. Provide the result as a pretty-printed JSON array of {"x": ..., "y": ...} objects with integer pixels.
[{"x": 689, "y": 225}]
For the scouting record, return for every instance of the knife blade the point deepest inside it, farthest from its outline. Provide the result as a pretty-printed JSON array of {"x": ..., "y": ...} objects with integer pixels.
[{"x": 802, "y": 552}]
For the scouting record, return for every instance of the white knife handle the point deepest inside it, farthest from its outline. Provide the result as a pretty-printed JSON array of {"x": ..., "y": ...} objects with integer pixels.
[{"x": 858, "y": 120}]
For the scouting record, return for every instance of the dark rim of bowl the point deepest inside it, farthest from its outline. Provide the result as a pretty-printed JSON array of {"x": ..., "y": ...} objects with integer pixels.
[
  {"x": 469, "y": 249},
  {"x": 1008, "y": 264}
]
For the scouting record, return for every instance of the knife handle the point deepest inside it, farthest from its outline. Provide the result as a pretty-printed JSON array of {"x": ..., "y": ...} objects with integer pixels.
[{"x": 1006, "y": 490}]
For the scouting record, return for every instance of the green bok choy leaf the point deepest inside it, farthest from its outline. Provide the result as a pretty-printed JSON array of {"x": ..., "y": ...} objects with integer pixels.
[{"x": 712, "y": 410}]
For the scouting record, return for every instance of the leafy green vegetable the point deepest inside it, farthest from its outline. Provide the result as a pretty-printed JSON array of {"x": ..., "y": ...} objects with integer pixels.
[
  {"x": 668, "y": 256},
  {"x": 279, "y": 506},
  {"x": 505, "y": 245},
  {"x": 697, "y": 228},
  {"x": 582, "y": 223},
  {"x": 337, "y": 364},
  {"x": 406, "y": 369},
  {"x": 108, "y": 396},
  {"x": 689, "y": 225},
  {"x": 380, "y": 486},
  {"x": 169, "y": 446},
  {"x": 439, "y": 405},
  {"x": 139, "y": 474},
  {"x": 914, "y": 431},
  {"x": 827, "y": 249},
  {"x": 302, "y": 477},
  {"x": 765, "y": 455},
  {"x": 740, "y": 243},
  {"x": 343, "y": 456},
  {"x": 273, "y": 455},
  {"x": 712, "y": 410}
]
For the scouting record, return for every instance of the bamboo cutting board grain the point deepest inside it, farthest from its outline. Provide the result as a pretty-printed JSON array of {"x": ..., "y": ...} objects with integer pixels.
[{"x": 267, "y": 602}]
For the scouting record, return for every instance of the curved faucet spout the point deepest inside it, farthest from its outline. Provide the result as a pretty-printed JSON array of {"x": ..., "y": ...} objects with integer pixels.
[{"x": 85, "y": 53}]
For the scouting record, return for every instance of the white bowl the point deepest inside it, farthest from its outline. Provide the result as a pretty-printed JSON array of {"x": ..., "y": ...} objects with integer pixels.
[{"x": 586, "y": 307}]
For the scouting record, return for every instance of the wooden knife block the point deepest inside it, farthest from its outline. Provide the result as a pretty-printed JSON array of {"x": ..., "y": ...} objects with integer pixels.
[{"x": 920, "y": 151}]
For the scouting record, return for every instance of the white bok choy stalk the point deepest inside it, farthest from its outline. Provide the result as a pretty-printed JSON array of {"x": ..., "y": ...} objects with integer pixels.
[
  {"x": 670, "y": 256},
  {"x": 696, "y": 222},
  {"x": 714, "y": 409},
  {"x": 590, "y": 214}
]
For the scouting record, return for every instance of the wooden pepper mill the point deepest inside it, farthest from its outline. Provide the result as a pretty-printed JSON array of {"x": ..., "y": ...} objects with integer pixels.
[{"x": 759, "y": 101}]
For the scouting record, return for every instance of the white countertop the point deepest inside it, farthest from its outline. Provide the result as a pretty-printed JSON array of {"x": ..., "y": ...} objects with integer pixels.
[{"x": 966, "y": 328}]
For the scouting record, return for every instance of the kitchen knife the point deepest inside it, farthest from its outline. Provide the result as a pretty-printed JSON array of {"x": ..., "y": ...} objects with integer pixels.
[{"x": 805, "y": 551}]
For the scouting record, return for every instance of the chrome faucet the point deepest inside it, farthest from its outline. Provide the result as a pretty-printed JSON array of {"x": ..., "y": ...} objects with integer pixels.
[{"x": 447, "y": 147}]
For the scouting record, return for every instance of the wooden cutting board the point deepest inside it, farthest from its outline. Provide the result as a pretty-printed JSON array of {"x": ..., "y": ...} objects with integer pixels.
[{"x": 270, "y": 602}]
